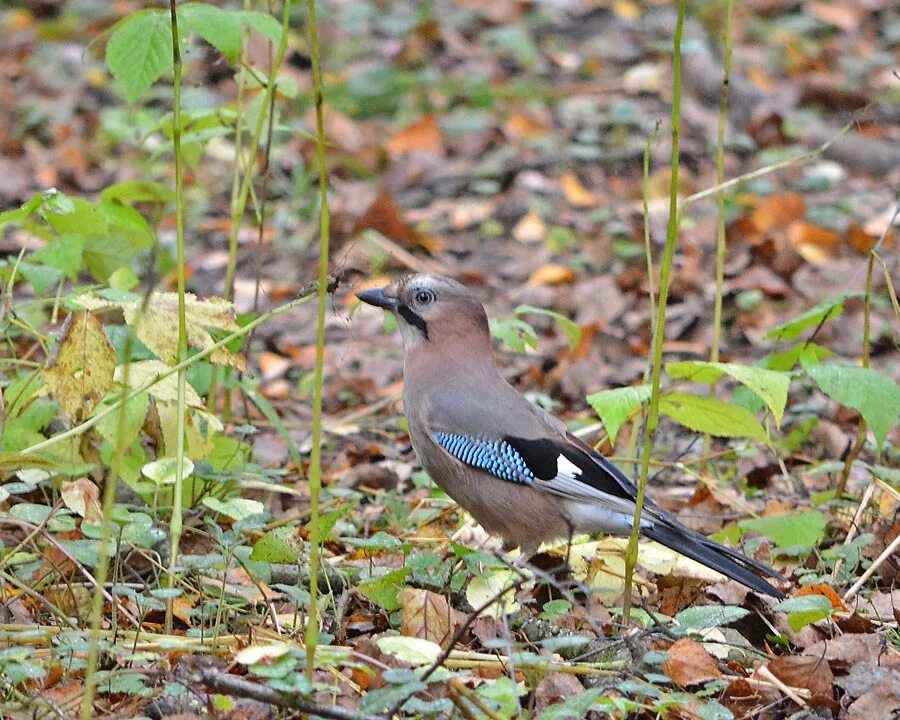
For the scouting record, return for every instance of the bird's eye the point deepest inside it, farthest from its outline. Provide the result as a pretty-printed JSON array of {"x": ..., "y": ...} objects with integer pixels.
[{"x": 423, "y": 297}]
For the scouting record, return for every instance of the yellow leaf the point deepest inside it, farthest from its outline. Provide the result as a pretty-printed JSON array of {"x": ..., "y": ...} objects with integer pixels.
[
  {"x": 531, "y": 228},
  {"x": 552, "y": 274},
  {"x": 80, "y": 370},
  {"x": 576, "y": 193}
]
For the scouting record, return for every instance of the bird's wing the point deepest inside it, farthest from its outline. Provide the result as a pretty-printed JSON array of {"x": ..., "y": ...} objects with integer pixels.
[{"x": 572, "y": 470}]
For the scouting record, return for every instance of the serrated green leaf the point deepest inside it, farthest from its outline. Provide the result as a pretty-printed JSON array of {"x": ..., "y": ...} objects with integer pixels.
[
  {"x": 702, "y": 617},
  {"x": 135, "y": 410},
  {"x": 789, "y": 531},
  {"x": 876, "y": 396},
  {"x": 571, "y": 329},
  {"x": 139, "y": 51},
  {"x": 63, "y": 253},
  {"x": 220, "y": 28},
  {"x": 76, "y": 216},
  {"x": 616, "y": 406},
  {"x": 771, "y": 386},
  {"x": 709, "y": 415},
  {"x": 383, "y": 590},
  {"x": 280, "y": 545},
  {"x": 823, "y": 312},
  {"x": 263, "y": 23},
  {"x": 804, "y": 610}
]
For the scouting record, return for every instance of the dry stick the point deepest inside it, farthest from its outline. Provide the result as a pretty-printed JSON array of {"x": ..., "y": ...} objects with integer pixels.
[
  {"x": 404, "y": 256},
  {"x": 854, "y": 523},
  {"x": 311, "y": 636},
  {"x": 232, "y": 685},
  {"x": 888, "y": 551},
  {"x": 664, "y": 273}
]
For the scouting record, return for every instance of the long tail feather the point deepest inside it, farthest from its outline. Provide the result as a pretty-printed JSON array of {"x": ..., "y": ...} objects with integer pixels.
[{"x": 718, "y": 557}]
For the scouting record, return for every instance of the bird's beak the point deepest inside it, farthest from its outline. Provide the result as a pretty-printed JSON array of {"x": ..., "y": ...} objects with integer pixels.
[{"x": 378, "y": 299}]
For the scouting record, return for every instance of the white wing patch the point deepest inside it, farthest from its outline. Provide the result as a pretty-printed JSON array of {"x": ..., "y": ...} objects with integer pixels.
[{"x": 566, "y": 467}]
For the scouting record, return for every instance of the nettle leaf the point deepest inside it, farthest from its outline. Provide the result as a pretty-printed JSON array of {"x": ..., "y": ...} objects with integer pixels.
[
  {"x": 63, "y": 253},
  {"x": 139, "y": 51},
  {"x": 703, "y": 617},
  {"x": 281, "y": 545},
  {"x": 571, "y": 329},
  {"x": 789, "y": 532},
  {"x": 383, "y": 590},
  {"x": 876, "y": 396},
  {"x": 708, "y": 415},
  {"x": 516, "y": 333},
  {"x": 804, "y": 610},
  {"x": 823, "y": 312},
  {"x": 616, "y": 406},
  {"x": 771, "y": 386},
  {"x": 220, "y": 28}
]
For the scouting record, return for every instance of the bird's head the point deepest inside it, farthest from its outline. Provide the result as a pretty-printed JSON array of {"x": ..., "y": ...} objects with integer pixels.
[{"x": 432, "y": 310}]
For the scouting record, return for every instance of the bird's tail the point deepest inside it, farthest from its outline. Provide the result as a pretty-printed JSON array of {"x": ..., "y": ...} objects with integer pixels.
[{"x": 725, "y": 560}]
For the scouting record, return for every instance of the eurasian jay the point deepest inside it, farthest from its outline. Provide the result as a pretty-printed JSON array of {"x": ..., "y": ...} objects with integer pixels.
[{"x": 512, "y": 465}]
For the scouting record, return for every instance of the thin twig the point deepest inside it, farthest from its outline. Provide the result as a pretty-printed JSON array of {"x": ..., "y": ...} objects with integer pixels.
[
  {"x": 232, "y": 685},
  {"x": 879, "y": 561}
]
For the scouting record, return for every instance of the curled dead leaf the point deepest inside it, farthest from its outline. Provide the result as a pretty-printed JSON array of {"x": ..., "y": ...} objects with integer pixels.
[
  {"x": 689, "y": 663},
  {"x": 551, "y": 274}
]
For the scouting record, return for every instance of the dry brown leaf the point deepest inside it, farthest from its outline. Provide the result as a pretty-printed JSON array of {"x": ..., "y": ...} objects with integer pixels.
[
  {"x": 777, "y": 212},
  {"x": 689, "y": 663},
  {"x": 804, "y": 671},
  {"x": 80, "y": 371},
  {"x": 823, "y": 589},
  {"x": 272, "y": 365},
  {"x": 531, "y": 228},
  {"x": 551, "y": 274},
  {"x": 521, "y": 125},
  {"x": 577, "y": 194},
  {"x": 384, "y": 216},
  {"x": 428, "y": 615},
  {"x": 861, "y": 241},
  {"x": 424, "y": 135},
  {"x": 882, "y": 700},
  {"x": 815, "y": 244},
  {"x": 82, "y": 497}
]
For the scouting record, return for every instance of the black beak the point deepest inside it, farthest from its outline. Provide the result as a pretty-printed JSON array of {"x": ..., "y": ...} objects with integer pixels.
[{"x": 378, "y": 299}]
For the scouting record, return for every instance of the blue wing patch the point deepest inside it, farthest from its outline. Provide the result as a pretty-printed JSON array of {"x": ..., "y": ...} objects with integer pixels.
[{"x": 496, "y": 457}]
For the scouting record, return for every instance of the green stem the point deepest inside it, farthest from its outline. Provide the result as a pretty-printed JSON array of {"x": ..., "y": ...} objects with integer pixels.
[
  {"x": 315, "y": 460},
  {"x": 720, "y": 203},
  {"x": 239, "y": 199},
  {"x": 176, "y": 522},
  {"x": 862, "y": 431},
  {"x": 659, "y": 327}
]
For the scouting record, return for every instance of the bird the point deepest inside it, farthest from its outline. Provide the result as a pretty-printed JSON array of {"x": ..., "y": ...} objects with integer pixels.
[{"x": 513, "y": 466}]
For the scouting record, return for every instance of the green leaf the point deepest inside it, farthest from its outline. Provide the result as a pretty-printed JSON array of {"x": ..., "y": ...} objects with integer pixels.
[
  {"x": 804, "y": 610},
  {"x": 876, "y": 396},
  {"x": 131, "y": 191},
  {"x": 235, "y": 508},
  {"x": 702, "y": 617},
  {"x": 220, "y": 28},
  {"x": 616, "y": 406},
  {"x": 413, "y": 650},
  {"x": 708, "y": 415},
  {"x": 263, "y": 23},
  {"x": 62, "y": 253},
  {"x": 571, "y": 329},
  {"x": 573, "y": 707},
  {"x": 139, "y": 51},
  {"x": 77, "y": 216},
  {"x": 379, "y": 541},
  {"x": 135, "y": 410},
  {"x": 789, "y": 531},
  {"x": 163, "y": 471},
  {"x": 514, "y": 332},
  {"x": 280, "y": 545},
  {"x": 383, "y": 590},
  {"x": 821, "y": 313},
  {"x": 17, "y": 215},
  {"x": 771, "y": 386}
]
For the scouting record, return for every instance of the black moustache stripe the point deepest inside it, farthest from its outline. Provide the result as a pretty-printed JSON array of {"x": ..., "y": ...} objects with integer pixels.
[{"x": 413, "y": 319}]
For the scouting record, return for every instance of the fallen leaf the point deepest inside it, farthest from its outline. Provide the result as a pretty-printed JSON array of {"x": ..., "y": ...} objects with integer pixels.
[
  {"x": 815, "y": 244},
  {"x": 689, "y": 663},
  {"x": 882, "y": 700},
  {"x": 428, "y": 615},
  {"x": 530, "y": 229},
  {"x": 272, "y": 365},
  {"x": 823, "y": 589},
  {"x": 804, "y": 671},
  {"x": 521, "y": 125},
  {"x": 777, "y": 212},
  {"x": 82, "y": 497},
  {"x": 384, "y": 216},
  {"x": 861, "y": 241},
  {"x": 577, "y": 194},
  {"x": 551, "y": 274},
  {"x": 424, "y": 135}
]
